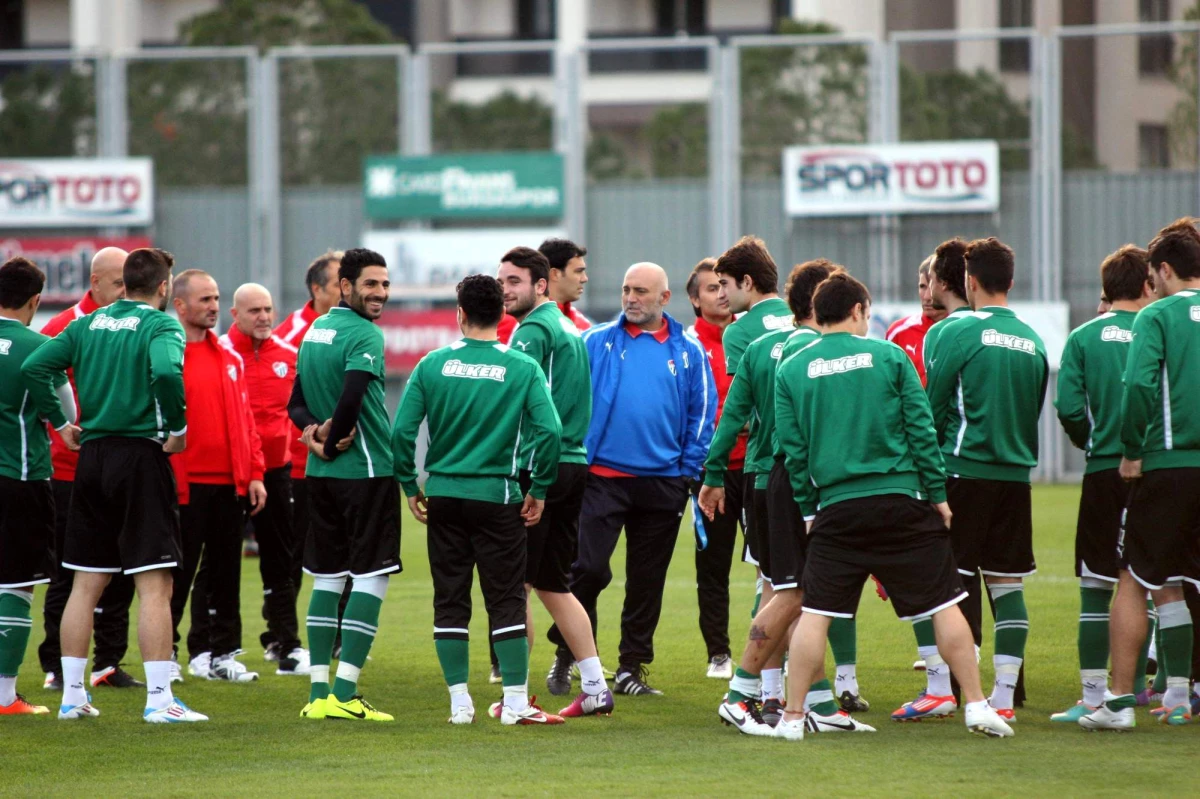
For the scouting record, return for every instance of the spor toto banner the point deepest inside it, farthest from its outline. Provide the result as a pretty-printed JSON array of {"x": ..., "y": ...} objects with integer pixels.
[
  {"x": 438, "y": 259},
  {"x": 925, "y": 178},
  {"x": 408, "y": 335},
  {"x": 76, "y": 192},
  {"x": 66, "y": 260}
]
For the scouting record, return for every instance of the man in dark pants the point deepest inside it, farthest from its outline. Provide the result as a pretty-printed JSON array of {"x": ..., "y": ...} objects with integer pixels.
[
  {"x": 653, "y": 409},
  {"x": 112, "y": 614},
  {"x": 716, "y": 539},
  {"x": 222, "y": 467}
]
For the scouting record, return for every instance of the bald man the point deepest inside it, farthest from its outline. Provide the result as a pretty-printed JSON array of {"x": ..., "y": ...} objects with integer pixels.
[
  {"x": 270, "y": 370},
  {"x": 654, "y": 406},
  {"x": 112, "y": 614}
]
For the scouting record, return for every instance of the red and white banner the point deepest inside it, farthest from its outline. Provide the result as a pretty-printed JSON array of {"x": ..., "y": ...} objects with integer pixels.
[
  {"x": 66, "y": 260},
  {"x": 76, "y": 192},
  {"x": 408, "y": 335}
]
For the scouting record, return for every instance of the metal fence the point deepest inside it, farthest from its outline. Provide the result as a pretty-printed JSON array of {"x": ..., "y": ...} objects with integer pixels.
[{"x": 258, "y": 155}]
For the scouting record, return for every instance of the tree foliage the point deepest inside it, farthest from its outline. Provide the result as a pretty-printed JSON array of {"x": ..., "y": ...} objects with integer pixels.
[
  {"x": 48, "y": 111},
  {"x": 1185, "y": 116}
]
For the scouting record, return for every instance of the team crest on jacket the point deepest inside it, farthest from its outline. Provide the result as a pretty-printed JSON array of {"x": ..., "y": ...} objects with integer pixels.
[
  {"x": 232, "y": 372},
  {"x": 671, "y": 366},
  {"x": 1196, "y": 313},
  {"x": 279, "y": 368}
]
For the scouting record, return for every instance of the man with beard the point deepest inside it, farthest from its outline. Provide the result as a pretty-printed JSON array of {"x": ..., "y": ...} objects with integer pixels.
[
  {"x": 909, "y": 332},
  {"x": 338, "y": 401}
]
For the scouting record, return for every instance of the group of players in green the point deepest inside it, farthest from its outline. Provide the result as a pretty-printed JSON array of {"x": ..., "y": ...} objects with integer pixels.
[{"x": 856, "y": 469}]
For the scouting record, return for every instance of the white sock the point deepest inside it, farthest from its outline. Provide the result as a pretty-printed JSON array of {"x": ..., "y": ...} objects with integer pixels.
[
  {"x": 1095, "y": 683},
  {"x": 1007, "y": 669},
  {"x": 8, "y": 691},
  {"x": 980, "y": 705},
  {"x": 158, "y": 684},
  {"x": 72, "y": 673},
  {"x": 591, "y": 676},
  {"x": 516, "y": 698},
  {"x": 1176, "y": 693},
  {"x": 749, "y": 687},
  {"x": 772, "y": 684},
  {"x": 460, "y": 698},
  {"x": 937, "y": 672},
  {"x": 847, "y": 679}
]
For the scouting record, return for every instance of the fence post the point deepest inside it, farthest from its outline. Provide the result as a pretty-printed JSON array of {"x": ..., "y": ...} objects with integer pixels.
[
  {"x": 570, "y": 139},
  {"x": 112, "y": 108},
  {"x": 266, "y": 230},
  {"x": 415, "y": 117},
  {"x": 719, "y": 236},
  {"x": 731, "y": 130}
]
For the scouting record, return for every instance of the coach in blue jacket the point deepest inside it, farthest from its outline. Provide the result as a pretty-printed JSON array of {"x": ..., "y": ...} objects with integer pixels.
[{"x": 653, "y": 408}]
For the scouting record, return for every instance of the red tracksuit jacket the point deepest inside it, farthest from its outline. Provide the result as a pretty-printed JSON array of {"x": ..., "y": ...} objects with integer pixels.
[
  {"x": 270, "y": 371},
  {"x": 291, "y": 332}
]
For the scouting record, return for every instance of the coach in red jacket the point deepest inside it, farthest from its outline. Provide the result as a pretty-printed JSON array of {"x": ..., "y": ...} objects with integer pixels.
[
  {"x": 223, "y": 468},
  {"x": 909, "y": 333},
  {"x": 112, "y": 613},
  {"x": 270, "y": 369}
]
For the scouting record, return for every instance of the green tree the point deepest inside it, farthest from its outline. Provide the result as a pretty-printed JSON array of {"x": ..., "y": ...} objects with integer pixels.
[
  {"x": 505, "y": 122},
  {"x": 48, "y": 111},
  {"x": 1185, "y": 116}
]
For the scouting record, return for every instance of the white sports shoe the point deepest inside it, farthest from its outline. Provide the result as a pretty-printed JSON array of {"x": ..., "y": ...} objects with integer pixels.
[
  {"x": 745, "y": 717},
  {"x": 175, "y": 713},
  {"x": 464, "y": 715},
  {"x": 229, "y": 669},
  {"x": 295, "y": 662},
  {"x": 986, "y": 721},
  {"x": 919, "y": 665},
  {"x": 790, "y": 730},
  {"x": 1106, "y": 717},
  {"x": 84, "y": 711},
  {"x": 200, "y": 666},
  {"x": 720, "y": 668},
  {"x": 838, "y": 722}
]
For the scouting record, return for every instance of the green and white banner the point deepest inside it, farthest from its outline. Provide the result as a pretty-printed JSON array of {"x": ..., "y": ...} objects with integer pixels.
[{"x": 464, "y": 185}]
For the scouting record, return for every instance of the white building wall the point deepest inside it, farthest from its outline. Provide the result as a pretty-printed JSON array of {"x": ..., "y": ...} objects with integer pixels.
[{"x": 482, "y": 18}]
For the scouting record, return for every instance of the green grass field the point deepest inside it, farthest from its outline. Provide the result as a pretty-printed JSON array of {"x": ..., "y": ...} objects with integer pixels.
[{"x": 671, "y": 745}]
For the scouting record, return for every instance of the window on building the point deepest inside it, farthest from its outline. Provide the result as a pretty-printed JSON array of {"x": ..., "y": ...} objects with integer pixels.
[
  {"x": 1014, "y": 53},
  {"x": 1154, "y": 151},
  {"x": 535, "y": 19},
  {"x": 1155, "y": 53},
  {"x": 681, "y": 16}
]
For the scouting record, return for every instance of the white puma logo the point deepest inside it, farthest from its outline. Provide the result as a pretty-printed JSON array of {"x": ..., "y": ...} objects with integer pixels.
[
  {"x": 524, "y": 345},
  {"x": 911, "y": 348},
  {"x": 369, "y": 357}
]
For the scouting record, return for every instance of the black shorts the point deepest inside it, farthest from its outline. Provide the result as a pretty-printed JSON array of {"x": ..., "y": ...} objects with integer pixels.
[
  {"x": 551, "y": 543},
  {"x": 1101, "y": 507},
  {"x": 992, "y": 528},
  {"x": 355, "y": 527},
  {"x": 788, "y": 539},
  {"x": 754, "y": 526},
  {"x": 465, "y": 534},
  {"x": 1160, "y": 541},
  {"x": 900, "y": 540},
  {"x": 124, "y": 510},
  {"x": 26, "y": 532}
]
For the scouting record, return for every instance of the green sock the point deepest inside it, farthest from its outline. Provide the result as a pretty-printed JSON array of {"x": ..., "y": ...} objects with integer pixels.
[
  {"x": 359, "y": 626},
  {"x": 15, "y": 625},
  {"x": 513, "y": 654},
  {"x": 1175, "y": 657},
  {"x": 1093, "y": 628},
  {"x": 322, "y": 624},
  {"x": 744, "y": 685},
  {"x": 453, "y": 655},
  {"x": 1160, "y": 676},
  {"x": 923, "y": 628},
  {"x": 843, "y": 640},
  {"x": 820, "y": 699},
  {"x": 757, "y": 598},
  {"x": 1139, "y": 675},
  {"x": 1012, "y": 619}
]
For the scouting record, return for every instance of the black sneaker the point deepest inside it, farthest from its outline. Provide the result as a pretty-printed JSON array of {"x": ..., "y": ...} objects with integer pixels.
[
  {"x": 115, "y": 677},
  {"x": 558, "y": 679},
  {"x": 632, "y": 682},
  {"x": 853, "y": 703},
  {"x": 771, "y": 712}
]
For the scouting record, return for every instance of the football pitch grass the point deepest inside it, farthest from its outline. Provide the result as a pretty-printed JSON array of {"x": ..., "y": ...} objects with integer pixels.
[{"x": 256, "y": 744}]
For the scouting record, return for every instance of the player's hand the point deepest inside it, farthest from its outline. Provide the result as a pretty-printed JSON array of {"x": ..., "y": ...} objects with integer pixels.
[
  {"x": 345, "y": 443},
  {"x": 70, "y": 436},
  {"x": 943, "y": 508},
  {"x": 419, "y": 508},
  {"x": 712, "y": 501},
  {"x": 808, "y": 526},
  {"x": 258, "y": 496},
  {"x": 1131, "y": 470},
  {"x": 531, "y": 510},
  {"x": 323, "y": 431},
  {"x": 315, "y": 445},
  {"x": 175, "y": 444}
]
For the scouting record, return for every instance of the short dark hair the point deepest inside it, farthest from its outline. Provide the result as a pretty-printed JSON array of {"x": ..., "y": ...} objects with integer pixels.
[
  {"x": 20, "y": 279},
  {"x": 693, "y": 281},
  {"x": 749, "y": 256},
  {"x": 1178, "y": 244},
  {"x": 950, "y": 266},
  {"x": 559, "y": 251},
  {"x": 531, "y": 259},
  {"x": 803, "y": 281},
  {"x": 990, "y": 261},
  {"x": 356, "y": 260},
  {"x": 835, "y": 298},
  {"x": 181, "y": 283},
  {"x": 145, "y": 269},
  {"x": 318, "y": 270},
  {"x": 481, "y": 299},
  {"x": 1124, "y": 273}
]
